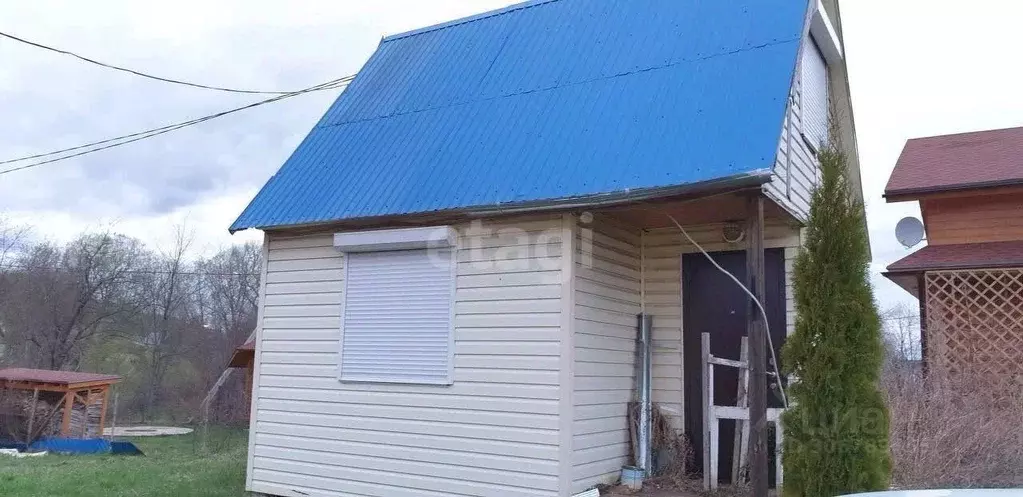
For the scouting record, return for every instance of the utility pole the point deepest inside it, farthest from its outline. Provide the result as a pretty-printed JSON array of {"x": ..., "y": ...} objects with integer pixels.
[{"x": 756, "y": 329}]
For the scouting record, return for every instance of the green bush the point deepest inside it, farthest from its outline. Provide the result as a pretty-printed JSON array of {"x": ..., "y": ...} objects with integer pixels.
[{"x": 836, "y": 429}]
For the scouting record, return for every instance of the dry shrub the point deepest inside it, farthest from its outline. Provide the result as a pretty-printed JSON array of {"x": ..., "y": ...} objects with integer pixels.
[
  {"x": 673, "y": 454},
  {"x": 952, "y": 432}
]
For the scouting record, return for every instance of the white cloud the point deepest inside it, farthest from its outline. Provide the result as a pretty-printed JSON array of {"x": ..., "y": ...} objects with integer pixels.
[
  {"x": 917, "y": 68},
  {"x": 204, "y": 175}
]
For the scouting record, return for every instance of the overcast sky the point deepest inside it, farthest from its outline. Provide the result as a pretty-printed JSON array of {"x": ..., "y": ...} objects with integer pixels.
[{"x": 918, "y": 68}]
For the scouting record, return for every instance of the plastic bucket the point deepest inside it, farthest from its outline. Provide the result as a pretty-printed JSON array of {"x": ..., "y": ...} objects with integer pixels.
[{"x": 632, "y": 477}]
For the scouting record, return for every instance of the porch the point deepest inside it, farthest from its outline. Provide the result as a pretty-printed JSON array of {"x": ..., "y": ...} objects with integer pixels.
[{"x": 633, "y": 259}]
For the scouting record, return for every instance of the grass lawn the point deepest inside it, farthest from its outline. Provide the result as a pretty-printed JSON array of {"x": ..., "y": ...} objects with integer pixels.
[{"x": 172, "y": 467}]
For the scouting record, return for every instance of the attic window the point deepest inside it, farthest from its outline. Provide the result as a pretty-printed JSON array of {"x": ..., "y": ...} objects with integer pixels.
[
  {"x": 815, "y": 95},
  {"x": 397, "y": 312}
]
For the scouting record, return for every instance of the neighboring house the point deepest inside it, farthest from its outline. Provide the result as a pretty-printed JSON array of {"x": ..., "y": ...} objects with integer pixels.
[
  {"x": 456, "y": 254},
  {"x": 969, "y": 277}
]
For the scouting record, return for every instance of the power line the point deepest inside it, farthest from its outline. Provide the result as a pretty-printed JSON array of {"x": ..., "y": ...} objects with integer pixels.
[
  {"x": 133, "y": 271},
  {"x": 140, "y": 73},
  {"x": 149, "y": 133},
  {"x": 914, "y": 317}
]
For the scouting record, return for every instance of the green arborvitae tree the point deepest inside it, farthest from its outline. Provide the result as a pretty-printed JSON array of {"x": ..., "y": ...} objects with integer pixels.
[{"x": 836, "y": 427}]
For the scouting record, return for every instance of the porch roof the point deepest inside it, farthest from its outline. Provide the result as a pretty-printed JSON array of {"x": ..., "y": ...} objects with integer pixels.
[
  {"x": 961, "y": 256},
  {"x": 992, "y": 255}
]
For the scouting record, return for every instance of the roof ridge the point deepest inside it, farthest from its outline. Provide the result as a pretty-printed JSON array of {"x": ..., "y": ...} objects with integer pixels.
[
  {"x": 473, "y": 18},
  {"x": 965, "y": 133}
]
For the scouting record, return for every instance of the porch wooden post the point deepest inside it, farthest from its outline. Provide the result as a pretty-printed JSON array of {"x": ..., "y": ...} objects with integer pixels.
[{"x": 756, "y": 331}]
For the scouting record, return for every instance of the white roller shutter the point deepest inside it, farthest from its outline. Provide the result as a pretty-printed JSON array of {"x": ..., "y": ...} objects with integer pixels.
[
  {"x": 815, "y": 95},
  {"x": 397, "y": 319}
]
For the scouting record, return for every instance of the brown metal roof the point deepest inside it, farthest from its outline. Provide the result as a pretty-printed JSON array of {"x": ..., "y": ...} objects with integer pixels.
[
  {"x": 961, "y": 256},
  {"x": 958, "y": 162},
  {"x": 55, "y": 377}
]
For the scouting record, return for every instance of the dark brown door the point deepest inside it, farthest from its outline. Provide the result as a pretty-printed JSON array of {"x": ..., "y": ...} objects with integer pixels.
[{"x": 713, "y": 303}]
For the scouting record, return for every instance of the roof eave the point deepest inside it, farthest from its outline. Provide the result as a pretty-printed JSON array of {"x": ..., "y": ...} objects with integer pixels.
[
  {"x": 907, "y": 194},
  {"x": 754, "y": 178}
]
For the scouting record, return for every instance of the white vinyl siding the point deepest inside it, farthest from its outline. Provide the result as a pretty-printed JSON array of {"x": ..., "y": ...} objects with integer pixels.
[
  {"x": 397, "y": 317},
  {"x": 607, "y": 303},
  {"x": 493, "y": 432},
  {"x": 796, "y": 170},
  {"x": 815, "y": 94},
  {"x": 791, "y": 253}
]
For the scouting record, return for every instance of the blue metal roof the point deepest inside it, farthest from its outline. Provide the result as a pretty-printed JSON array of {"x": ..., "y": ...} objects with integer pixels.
[{"x": 545, "y": 101}]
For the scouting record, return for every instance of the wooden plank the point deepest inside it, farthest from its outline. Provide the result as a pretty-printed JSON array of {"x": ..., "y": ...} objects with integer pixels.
[
  {"x": 733, "y": 412},
  {"x": 756, "y": 330},
  {"x": 742, "y": 365},
  {"x": 706, "y": 394},
  {"x": 28, "y": 385},
  {"x": 715, "y": 427},
  {"x": 778, "y": 439},
  {"x": 988, "y": 218},
  {"x": 90, "y": 384},
  {"x": 741, "y": 441}
]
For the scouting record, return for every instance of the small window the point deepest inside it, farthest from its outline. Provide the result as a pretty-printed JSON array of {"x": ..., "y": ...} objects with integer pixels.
[
  {"x": 397, "y": 317},
  {"x": 815, "y": 95}
]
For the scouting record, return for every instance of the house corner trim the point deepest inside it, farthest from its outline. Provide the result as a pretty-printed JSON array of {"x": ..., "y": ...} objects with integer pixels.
[{"x": 566, "y": 362}]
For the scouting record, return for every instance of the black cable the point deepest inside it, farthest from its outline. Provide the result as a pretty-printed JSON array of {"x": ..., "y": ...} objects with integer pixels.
[
  {"x": 139, "y": 73},
  {"x": 132, "y": 271},
  {"x": 141, "y": 135}
]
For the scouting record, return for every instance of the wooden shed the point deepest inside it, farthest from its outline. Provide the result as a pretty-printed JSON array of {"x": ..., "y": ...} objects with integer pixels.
[
  {"x": 969, "y": 277},
  {"x": 76, "y": 402}
]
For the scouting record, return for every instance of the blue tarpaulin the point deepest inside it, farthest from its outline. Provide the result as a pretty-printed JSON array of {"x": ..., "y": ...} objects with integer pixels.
[{"x": 72, "y": 445}]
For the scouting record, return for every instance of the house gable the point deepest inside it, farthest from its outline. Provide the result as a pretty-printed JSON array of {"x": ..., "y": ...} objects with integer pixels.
[{"x": 818, "y": 98}]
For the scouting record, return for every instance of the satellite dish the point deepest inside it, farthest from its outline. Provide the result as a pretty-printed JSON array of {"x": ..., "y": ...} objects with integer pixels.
[{"x": 909, "y": 231}]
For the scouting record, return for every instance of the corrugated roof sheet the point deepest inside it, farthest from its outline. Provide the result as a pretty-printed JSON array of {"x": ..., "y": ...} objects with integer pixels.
[
  {"x": 55, "y": 377},
  {"x": 961, "y": 256},
  {"x": 954, "y": 162},
  {"x": 544, "y": 101}
]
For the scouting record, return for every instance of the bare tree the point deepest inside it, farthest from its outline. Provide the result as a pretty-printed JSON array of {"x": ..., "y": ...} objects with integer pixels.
[
  {"x": 107, "y": 302},
  {"x": 12, "y": 240},
  {"x": 902, "y": 332},
  {"x": 166, "y": 313},
  {"x": 231, "y": 281},
  {"x": 62, "y": 296},
  {"x": 230, "y": 297}
]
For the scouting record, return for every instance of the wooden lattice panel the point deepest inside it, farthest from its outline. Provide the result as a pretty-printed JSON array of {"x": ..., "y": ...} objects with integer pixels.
[{"x": 975, "y": 323}]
